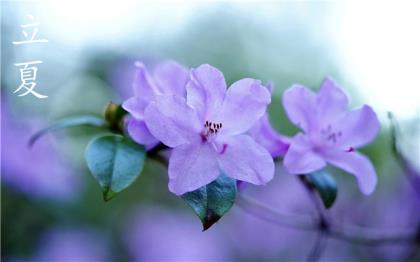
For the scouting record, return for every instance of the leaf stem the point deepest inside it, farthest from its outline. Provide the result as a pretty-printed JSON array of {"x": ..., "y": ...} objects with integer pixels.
[
  {"x": 319, "y": 247},
  {"x": 315, "y": 200}
]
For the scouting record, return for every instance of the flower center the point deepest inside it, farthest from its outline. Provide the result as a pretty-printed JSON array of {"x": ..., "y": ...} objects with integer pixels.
[
  {"x": 209, "y": 134},
  {"x": 210, "y": 129},
  {"x": 333, "y": 137},
  {"x": 330, "y": 135}
]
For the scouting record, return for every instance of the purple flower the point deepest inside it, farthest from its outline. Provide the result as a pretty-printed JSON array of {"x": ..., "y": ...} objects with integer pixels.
[
  {"x": 70, "y": 244},
  {"x": 168, "y": 78},
  {"x": 158, "y": 234},
  {"x": 331, "y": 133},
  {"x": 39, "y": 171},
  {"x": 254, "y": 237},
  {"x": 207, "y": 131},
  {"x": 265, "y": 135}
]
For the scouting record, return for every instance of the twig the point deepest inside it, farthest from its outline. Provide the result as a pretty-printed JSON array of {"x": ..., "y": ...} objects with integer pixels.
[
  {"x": 350, "y": 233},
  {"x": 319, "y": 247},
  {"x": 259, "y": 210},
  {"x": 316, "y": 200},
  {"x": 369, "y": 236},
  {"x": 321, "y": 241}
]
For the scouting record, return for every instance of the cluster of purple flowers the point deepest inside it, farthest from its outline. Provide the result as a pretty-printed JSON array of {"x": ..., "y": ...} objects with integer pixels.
[{"x": 215, "y": 130}]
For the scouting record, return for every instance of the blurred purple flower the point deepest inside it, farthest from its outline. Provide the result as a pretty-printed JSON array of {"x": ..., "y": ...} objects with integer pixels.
[
  {"x": 207, "y": 131},
  {"x": 331, "y": 133},
  {"x": 36, "y": 171},
  {"x": 157, "y": 235},
  {"x": 69, "y": 245},
  {"x": 392, "y": 209},
  {"x": 256, "y": 239},
  {"x": 403, "y": 202},
  {"x": 169, "y": 78}
]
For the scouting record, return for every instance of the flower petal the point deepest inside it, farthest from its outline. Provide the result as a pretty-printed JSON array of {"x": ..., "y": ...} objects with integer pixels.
[
  {"x": 358, "y": 127},
  {"x": 206, "y": 90},
  {"x": 139, "y": 132},
  {"x": 245, "y": 102},
  {"x": 358, "y": 165},
  {"x": 300, "y": 158},
  {"x": 143, "y": 85},
  {"x": 332, "y": 102},
  {"x": 135, "y": 106},
  {"x": 172, "y": 121},
  {"x": 243, "y": 159},
  {"x": 192, "y": 166},
  {"x": 171, "y": 78},
  {"x": 269, "y": 138},
  {"x": 299, "y": 103}
]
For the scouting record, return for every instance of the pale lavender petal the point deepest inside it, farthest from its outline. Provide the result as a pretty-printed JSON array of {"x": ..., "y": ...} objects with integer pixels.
[
  {"x": 139, "y": 132},
  {"x": 245, "y": 102},
  {"x": 358, "y": 127},
  {"x": 192, "y": 166},
  {"x": 300, "y": 158},
  {"x": 358, "y": 165},
  {"x": 172, "y": 121},
  {"x": 265, "y": 135},
  {"x": 242, "y": 158},
  {"x": 171, "y": 78},
  {"x": 206, "y": 90},
  {"x": 332, "y": 102},
  {"x": 135, "y": 106},
  {"x": 300, "y": 105},
  {"x": 143, "y": 85}
]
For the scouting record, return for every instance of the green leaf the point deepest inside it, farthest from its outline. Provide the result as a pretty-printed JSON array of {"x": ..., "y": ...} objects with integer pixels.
[
  {"x": 68, "y": 122},
  {"x": 115, "y": 161},
  {"x": 326, "y": 186},
  {"x": 212, "y": 201}
]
